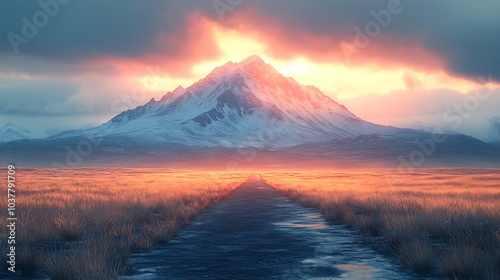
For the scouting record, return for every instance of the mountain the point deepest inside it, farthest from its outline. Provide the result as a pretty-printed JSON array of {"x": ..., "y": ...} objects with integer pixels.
[
  {"x": 247, "y": 113},
  {"x": 427, "y": 127},
  {"x": 10, "y": 133},
  {"x": 238, "y": 105},
  {"x": 495, "y": 143}
]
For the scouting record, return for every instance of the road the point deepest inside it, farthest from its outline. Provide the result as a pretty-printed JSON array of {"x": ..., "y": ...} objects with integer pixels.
[{"x": 257, "y": 233}]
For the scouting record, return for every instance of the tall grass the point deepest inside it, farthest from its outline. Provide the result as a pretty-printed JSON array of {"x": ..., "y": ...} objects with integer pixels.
[
  {"x": 83, "y": 223},
  {"x": 441, "y": 220}
]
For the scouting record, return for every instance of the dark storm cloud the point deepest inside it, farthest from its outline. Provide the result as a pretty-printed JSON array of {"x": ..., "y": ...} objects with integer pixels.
[
  {"x": 12, "y": 64},
  {"x": 463, "y": 33},
  {"x": 85, "y": 29}
]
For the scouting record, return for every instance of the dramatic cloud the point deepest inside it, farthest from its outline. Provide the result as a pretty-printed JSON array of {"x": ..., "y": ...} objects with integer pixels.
[
  {"x": 459, "y": 34},
  {"x": 75, "y": 58},
  {"x": 474, "y": 113},
  {"x": 81, "y": 30}
]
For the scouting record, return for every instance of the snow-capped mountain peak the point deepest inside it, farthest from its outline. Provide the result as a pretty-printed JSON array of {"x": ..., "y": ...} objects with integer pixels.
[
  {"x": 10, "y": 133},
  {"x": 247, "y": 103}
]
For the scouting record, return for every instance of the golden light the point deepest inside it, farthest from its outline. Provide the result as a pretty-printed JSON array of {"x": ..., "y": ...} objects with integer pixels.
[
  {"x": 163, "y": 84},
  {"x": 338, "y": 80}
]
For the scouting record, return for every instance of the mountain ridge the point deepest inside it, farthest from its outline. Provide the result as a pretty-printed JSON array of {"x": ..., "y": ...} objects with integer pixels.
[
  {"x": 237, "y": 100},
  {"x": 246, "y": 111},
  {"x": 11, "y": 133}
]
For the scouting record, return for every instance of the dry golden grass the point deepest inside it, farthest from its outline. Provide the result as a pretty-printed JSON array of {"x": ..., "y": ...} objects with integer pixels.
[
  {"x": 446, "y": 220},
  {"x": 81, "y": 224}
]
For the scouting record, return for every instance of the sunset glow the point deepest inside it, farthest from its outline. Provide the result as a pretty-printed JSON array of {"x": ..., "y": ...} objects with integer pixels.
[
  {"x": 410, "y": 60},
  {"x": 338, "y": 79},
  {"x": 238, "y": 139}
]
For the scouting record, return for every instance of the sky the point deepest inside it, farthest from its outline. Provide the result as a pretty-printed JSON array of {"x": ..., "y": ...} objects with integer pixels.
[{"x": 69, "y": 64}]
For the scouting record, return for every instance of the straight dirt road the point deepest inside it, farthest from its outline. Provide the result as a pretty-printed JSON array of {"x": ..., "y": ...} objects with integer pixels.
[{"x": 257, "y": 233}]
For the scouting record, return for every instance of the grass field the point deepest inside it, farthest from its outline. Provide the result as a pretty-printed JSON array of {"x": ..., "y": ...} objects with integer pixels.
[
  {"x": 441, "y": 220},
  {"x": 81, "y": 224}
]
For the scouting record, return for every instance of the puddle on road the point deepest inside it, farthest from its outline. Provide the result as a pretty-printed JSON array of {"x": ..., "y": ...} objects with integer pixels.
[{"x": 256, "y": 233}]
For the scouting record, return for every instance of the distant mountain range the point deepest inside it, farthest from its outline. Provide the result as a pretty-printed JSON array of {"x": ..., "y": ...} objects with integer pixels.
[
  {"x": 10, "y": 133},
  {"x": 427, "y": 127},
  {"x": 249, "y": 113}
]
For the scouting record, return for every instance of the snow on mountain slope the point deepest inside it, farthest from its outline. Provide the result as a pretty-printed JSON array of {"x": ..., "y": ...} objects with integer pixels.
[
  {"x": 238, "y": 105},
  {"x": 427, "y": 127},
  {"x": 11, "y": 133}
]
